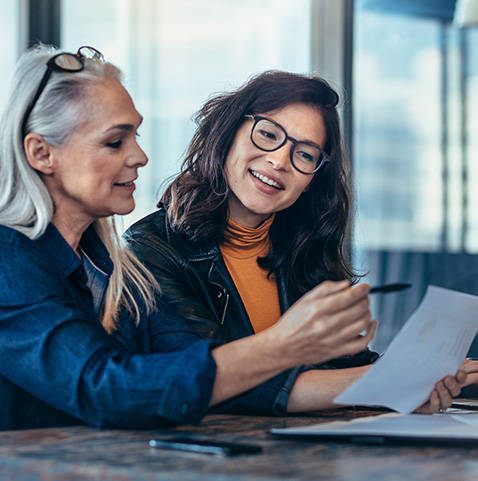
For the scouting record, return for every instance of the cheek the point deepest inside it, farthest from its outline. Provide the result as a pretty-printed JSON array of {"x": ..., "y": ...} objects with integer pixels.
[
  {"x": 104, "y": 171},
  {"x": 303, "y": 185},
  {"x": 232, "y": 167},
  {"x": 300, "y": 187},
  {"x": 308, "y": 184},
  {"x": 228, "y": 173},
  {"x": 240, "y": 152}
]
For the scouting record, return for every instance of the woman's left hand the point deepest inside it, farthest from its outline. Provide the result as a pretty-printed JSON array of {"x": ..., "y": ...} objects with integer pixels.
[
  {"x": 445, "y": 390},
  {"x": 470, "y": 366}
]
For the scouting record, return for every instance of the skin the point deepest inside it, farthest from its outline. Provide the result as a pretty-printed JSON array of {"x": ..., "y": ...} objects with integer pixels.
[
  {"x": 92, "y": 174},
  {"x": 252, "y": 201},
  {"x": 306, "y": 397},
  {"x": 325, "y": 323}
]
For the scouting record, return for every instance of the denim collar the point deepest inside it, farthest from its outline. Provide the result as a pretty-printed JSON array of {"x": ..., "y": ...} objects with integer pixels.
[{"x": 52, "y": 242}]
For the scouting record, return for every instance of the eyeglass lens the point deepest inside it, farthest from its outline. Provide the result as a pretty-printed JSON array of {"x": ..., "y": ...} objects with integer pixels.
[
  {"x": 269, "y": 136},
  {"x": 90, "y": 52},
  {"x": 68, "y": 62}
]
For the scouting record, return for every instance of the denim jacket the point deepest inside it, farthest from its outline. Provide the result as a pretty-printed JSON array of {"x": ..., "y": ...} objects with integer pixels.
[
  {"x": 59, "y": 367},
  {"x": 195, "y": 281}
]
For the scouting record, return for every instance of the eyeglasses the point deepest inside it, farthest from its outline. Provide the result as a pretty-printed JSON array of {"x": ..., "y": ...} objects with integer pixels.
[
  {"x": 269, "y": 136},
  {"x": 63, "y": 62}
]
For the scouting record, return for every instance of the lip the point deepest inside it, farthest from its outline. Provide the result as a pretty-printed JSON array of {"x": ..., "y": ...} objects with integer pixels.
[
  {"x": 260, "y": 182},
  {"x": 128, "y": 185}
]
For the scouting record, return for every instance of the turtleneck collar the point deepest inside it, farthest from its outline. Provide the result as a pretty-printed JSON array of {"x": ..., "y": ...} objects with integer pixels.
[{"x": 244, "y": 242}]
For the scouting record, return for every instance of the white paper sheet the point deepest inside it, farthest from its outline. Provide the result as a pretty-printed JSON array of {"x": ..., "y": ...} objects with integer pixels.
[{"x": 433, "y": 343}]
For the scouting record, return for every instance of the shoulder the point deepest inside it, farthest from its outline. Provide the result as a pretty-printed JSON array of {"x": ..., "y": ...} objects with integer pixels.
[
  {"x": 9, "y": 235},
  {"x": 152, "y": 242},
  {"x": 26, "y": 270},
  {"x": 154, "y": 233},
  {"x": 153, "y": 227},
  {"x": 14, "y": 243}
]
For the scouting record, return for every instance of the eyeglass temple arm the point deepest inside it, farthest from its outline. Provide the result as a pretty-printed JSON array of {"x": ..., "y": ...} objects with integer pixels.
[{"x": 26, "y": 116}]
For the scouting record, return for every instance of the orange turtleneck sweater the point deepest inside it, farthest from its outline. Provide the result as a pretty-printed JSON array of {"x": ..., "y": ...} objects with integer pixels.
[{"x": 259, "y": 294}]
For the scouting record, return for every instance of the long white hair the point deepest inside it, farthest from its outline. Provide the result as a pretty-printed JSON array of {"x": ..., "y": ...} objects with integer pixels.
[{"x": 25, "y": 203}]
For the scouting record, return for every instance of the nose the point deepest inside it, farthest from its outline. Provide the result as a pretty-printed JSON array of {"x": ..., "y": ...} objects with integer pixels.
[
  {"x": 137, "y": 158},
  {"x": 280, "y": 158}
]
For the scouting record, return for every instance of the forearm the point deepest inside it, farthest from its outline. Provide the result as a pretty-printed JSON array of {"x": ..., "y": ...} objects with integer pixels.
[
  {"x": 244, "y": 364},
  {"x": 322, "y": 325},
  {"x": 315, "y": 390}
]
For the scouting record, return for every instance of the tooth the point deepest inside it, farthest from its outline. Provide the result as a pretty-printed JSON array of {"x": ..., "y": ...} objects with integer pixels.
[{"x": 266, "y": 180}]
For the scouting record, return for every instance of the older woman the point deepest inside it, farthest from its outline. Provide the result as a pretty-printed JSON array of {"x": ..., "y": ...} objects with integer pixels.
[
  {"x": 257, "y": 218},
  {"x": 68, "y": 162}
]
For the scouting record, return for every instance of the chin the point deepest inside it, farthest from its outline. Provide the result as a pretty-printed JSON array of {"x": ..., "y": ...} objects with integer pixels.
[{"x": 124, "y": 211}]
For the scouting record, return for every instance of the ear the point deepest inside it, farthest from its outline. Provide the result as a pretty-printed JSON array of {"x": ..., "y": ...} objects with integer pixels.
[{"x": 38, "y": 153}]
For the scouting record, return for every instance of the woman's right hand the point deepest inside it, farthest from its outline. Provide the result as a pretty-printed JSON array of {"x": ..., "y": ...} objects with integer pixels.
[{"x": 324, "y": 324}]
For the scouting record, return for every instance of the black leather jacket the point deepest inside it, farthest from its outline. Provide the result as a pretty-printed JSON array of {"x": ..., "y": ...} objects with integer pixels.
[{"x": 195, "y": 281}]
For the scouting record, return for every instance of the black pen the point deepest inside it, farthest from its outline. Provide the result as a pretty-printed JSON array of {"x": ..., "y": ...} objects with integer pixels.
[{"x": 389, "y": 288}]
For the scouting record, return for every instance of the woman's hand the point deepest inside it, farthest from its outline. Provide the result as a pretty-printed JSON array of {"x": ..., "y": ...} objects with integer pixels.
[
  {"x": 445, "y": 390},
  {"x": 470, "y": 366},
  {"x": 325, "y": 323}
]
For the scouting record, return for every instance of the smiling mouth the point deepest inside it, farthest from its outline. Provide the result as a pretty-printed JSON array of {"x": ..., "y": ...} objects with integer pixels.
[
  {"x": 125, "y": 184},
  {"x": 266, "y": 180}
]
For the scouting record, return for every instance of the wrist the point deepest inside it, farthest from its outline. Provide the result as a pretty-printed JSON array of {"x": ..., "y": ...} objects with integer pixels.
[{"x": 276, "y": 349}]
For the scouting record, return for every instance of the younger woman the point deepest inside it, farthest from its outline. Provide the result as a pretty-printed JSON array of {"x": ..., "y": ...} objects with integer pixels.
[{"x": 257, "y": 218}]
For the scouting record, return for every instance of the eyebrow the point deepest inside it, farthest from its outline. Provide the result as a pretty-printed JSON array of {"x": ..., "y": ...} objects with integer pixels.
[
  {"x": 308, "y": 142},
  {"x": 125, "y": 127}
]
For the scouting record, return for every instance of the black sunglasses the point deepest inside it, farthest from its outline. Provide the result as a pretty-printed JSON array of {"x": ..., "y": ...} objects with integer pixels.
[{"x": 63, "y": 62}]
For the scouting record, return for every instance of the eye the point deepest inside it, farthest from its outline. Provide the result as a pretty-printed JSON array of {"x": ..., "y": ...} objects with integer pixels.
[
  {"x": 267, "y": 135},
  {"x": 115, "y": 145},
  {"x": 306, "y": 156}
]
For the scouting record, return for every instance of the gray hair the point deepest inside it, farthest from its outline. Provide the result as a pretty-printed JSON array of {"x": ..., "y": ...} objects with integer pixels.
[{"x": 25, "y": 203}]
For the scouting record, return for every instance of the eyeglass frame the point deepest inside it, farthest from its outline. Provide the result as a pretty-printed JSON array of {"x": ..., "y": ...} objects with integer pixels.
[
  {"x": 258, "y": 118},
  {"x": 52, "y": 66}
]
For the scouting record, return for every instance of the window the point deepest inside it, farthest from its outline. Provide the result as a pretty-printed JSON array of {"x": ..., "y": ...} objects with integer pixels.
[
  {"x": 416, "y": 85},
  {"x": 415, "y": 92},
  {"x": 13, "y": 39},
  {"x": 176, "y": 54}
]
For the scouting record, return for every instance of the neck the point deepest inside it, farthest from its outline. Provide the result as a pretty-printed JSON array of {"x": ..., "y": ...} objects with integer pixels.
[
  {"x": 71, "y": 230},
  {"x": 249, "y": 221}
]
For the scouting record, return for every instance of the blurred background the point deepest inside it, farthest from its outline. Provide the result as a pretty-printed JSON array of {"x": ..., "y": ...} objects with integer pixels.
[{"x": 407, "y": 71}]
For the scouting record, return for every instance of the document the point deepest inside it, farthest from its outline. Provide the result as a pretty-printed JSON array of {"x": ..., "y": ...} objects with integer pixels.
[
  {"x": 393, "y": 427},
  {"x": 432, "y": 344}
]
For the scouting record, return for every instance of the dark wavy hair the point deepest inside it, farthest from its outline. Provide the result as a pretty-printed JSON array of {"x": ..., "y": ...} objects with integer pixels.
[{"x": 308, "y": 238}]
